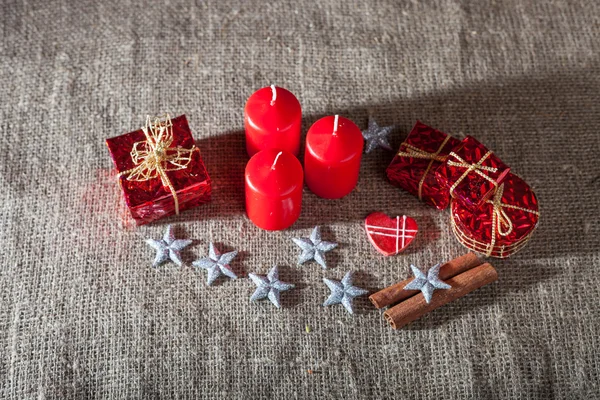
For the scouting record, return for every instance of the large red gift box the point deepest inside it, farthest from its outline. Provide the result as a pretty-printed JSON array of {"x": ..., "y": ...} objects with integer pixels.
[
  {"x": 160, "y": 169},
  {"x": 471, "y": 173},
  {"x": 503, "y": 224},
  {"x": 413, "y": 168}
]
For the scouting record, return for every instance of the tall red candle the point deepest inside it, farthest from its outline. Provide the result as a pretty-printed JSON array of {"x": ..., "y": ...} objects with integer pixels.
[
  {"x": 273, "y": 189},
  {"x": 272, "y": 120},
  {"x": 334, "y": 148}
]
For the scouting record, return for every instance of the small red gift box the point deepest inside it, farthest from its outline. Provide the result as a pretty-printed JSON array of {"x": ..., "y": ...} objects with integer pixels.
[
  {"x": 160, "y": 169},
  {"x": 503, "y": 224},
  {"x": 413, "y": 167},
  {"x": 471, "y": 173}
]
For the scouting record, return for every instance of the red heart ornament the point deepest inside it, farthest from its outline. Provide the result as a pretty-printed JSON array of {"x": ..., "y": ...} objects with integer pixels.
[{"x": 388, "y": 235}]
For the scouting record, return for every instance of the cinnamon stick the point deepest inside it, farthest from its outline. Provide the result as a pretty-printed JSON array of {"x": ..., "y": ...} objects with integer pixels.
[
  {"x": 462, "y": 284},
  {"x": 396, "y": 293}
]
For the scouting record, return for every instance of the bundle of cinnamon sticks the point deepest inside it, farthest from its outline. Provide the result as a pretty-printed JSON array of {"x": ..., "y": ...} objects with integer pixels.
[{"x": 464, "y": 274}]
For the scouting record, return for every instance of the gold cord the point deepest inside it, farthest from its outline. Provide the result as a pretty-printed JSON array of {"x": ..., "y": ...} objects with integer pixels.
[
  {"x": 154, "y": 157},
  {"x": 477, "y": 168},
  {"x": 501, "y": 252},
  {"x": 501, "y": 224},
  {"x": 415, "y": 152}
]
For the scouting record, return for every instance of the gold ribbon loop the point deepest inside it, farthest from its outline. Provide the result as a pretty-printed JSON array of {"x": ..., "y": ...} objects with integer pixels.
[
  {"x": 476, "y": 167},
  {"x": 154, "y": 157},
  {"x": 415, "y": 152},
  {"x": 500, "y": 220}
]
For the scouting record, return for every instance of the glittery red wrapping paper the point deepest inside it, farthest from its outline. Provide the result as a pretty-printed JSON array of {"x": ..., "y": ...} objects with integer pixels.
[
  {"x": 407, "y": 172},
  {"x": 477, "y": 225},
  {"x": 473, "y": 190},
  {"x": 150, "y": 200}
]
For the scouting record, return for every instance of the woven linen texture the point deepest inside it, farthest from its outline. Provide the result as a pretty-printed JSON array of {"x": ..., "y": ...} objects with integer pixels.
[{"x": 83, "y": 315}]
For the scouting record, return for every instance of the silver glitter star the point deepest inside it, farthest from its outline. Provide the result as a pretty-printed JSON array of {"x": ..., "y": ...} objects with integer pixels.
[
  {"x": 377, "y": 136},
  {"x": 426, "y": 284},
  {"x": 313, "y": 248},
  {"x": 343, "y": 292},
  {"x": 216, "y": 264},
  {"x": 269, "y": 286},
  {"x": 168, "y": 247}
]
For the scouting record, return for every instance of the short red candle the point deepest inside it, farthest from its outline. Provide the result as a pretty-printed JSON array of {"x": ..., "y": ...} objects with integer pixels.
[
  {"x": 334, "y": 148},
  {"x": 272, "y": 120},
  {"x": 273, "y": 189}
]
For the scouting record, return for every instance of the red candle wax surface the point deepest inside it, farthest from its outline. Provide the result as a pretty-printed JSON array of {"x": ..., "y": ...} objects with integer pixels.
[
  {"x": 272, "y": 120},
  {"x": 273, "y": 189},
  {"x": 334, "y": 148}
]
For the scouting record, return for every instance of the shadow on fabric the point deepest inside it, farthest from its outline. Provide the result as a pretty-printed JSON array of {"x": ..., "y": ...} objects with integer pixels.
[{"x": 531, "y": 122}]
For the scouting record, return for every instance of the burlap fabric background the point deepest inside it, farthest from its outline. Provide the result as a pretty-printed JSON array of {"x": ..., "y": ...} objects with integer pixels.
[{"x": 82, "y": 313}]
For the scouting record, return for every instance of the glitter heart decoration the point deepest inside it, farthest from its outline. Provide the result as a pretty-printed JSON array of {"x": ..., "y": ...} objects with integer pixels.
[{"x": 390, "y": 236}]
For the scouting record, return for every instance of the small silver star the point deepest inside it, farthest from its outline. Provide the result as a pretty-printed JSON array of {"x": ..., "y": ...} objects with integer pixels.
[
  {"x": 377, "y": 136},
  {"x": 269, "y": 286},
  {"x": 343, "y": 292},
  {"x": 216, "y": 264},
  {"x": 168, "y": 247},
  {"x": 426, "y": 284},
  {"x": 313, "y": 248}
]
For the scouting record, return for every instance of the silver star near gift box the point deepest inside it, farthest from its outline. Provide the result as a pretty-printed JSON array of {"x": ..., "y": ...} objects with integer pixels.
[
  {"x": 376, "y": 136},
  {"x": 168, "y": 248}
]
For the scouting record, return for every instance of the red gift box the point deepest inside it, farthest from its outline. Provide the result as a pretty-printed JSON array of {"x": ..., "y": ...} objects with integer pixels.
[
  {"x": 160, "y": 169},
  {"x": 503, "y": 224},
  {"x": 413, "y": 167},
  {"x": 471, "y": 173}
]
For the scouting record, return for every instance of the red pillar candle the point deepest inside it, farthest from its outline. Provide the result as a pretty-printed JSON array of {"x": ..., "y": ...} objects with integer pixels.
[
  {"x": 273, "y": 189},
  {"x": 334, "y": 148},
  {"x": 272, "y": 120}
]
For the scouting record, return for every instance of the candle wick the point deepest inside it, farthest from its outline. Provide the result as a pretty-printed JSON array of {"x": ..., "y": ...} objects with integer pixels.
[
  {"x": 274, "y": 95},
  {"x": 275, "y": 162},
  {"x": 335, "y": 125}
]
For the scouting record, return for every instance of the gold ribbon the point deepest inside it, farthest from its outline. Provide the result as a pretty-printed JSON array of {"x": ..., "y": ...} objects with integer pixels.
[
  {"x": 415, "y": 152},
  {"x": 502, "y": 252},
  {"x": 500, "y": 220},
  {"x": 154, "y": 157},
  {"x": 476, "y": 167}
]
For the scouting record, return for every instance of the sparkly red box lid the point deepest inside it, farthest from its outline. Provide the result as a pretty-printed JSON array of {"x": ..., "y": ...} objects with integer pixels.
[
  {"x": 471, "y": 173},
  {"x": 413, "y": 167},
  {"x": 151, "y": 199},
  {"x": 503, "y": 224}
]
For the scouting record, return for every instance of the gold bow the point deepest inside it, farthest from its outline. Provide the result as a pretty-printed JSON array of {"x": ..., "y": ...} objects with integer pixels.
[
  {"x": 476, "y": 167},
  {"x": 154, "y": 157},
  {"x": 415, "y": 152},
  {"x": 500, "y": 220}
]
